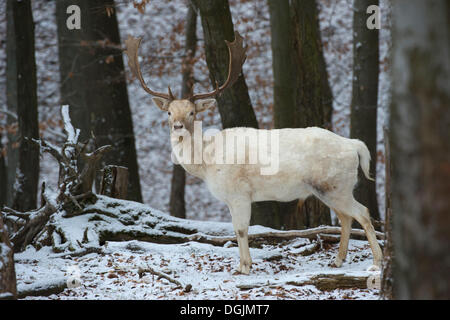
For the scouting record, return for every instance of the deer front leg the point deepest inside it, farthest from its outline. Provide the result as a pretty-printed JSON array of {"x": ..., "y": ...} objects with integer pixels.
[{"x": 240, "y": 213}]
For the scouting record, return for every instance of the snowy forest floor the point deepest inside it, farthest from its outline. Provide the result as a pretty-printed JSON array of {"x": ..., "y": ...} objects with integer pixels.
[
  {"x": 278, "y": 272},
  {"x": 99, "y": 249}
]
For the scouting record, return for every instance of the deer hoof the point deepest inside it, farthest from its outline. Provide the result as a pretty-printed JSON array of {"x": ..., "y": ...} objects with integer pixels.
[
  {"x": 338, "y": 262},
  {"x": 244, "y": 268}
]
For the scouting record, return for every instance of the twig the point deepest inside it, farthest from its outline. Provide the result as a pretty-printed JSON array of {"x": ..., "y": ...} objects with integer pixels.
[
  {"x": 149, "y": 269},
  {"x": 11, "y": 212}
]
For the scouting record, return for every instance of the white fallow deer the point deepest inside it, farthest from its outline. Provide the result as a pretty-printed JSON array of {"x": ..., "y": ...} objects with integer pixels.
[{"x": 311, "y": 161}]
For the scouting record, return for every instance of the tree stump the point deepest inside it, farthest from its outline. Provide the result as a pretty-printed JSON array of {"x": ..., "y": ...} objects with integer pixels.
[{"x": 114, "y": 182}]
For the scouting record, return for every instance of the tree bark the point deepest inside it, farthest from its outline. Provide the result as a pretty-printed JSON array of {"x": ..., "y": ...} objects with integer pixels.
[
  {"x": 284, "y": 110},
  {"x": 177, "y": 205},
  {"x": 23, "y": 169},
  {"x": 388, "y": 250},
  {"x": 93, "y": 83},
  {"x": 420, "y": 148},
  {"x": 3, "y": 173},
  {"x": 234, "y": 104},
  {"x": 313, "y": 97},
  {"x": 363, "y": 120},
  {"x": 8, "y": 288},
  {"x": 114, "y": 182}
]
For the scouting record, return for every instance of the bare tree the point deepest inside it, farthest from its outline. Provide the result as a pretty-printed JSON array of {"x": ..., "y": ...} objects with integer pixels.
[
  {"x": 23, "y": 156},
  {"x": 234, "y": 105},
  {"x": 93, "y": 83},
  {"x": 3, "y": 174},
  {"x": 177, "y": 204},
  {"x": 365, "y": 97},
  {"x": 420, "y": 149},
  {"x": 313, "y": 95}
]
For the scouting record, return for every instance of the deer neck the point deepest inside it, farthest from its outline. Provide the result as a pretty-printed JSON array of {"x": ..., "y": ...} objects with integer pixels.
[{"x": 187, "y": 150}]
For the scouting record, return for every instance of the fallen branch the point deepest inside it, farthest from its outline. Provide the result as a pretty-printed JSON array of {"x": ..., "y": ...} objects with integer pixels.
[
  {"x": 149, "y": 269},
  {"x": 54, "y": 286},
  {"x": 323, "y": 282},
  {"x": 283, "y": 235},
  {"x": 329, "y": 282},
  {"x": 35, "y": 223}
]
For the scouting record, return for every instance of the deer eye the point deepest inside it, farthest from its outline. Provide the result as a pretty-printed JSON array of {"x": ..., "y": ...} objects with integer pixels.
[
  {"x": 169, "y": 113},
  {"x": 191, "y": 113}
]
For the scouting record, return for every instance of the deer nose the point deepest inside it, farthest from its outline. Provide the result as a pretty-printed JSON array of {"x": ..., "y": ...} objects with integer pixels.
[{"x": 178, "y": 126}]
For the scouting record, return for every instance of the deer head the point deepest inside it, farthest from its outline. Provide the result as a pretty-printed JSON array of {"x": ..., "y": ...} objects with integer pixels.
[{"x": 182, "y": 112}]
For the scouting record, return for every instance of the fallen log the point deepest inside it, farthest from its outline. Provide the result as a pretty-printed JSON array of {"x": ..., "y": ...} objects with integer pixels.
[
  {"x": 329, "y": 282},
  {"x": 47, "y": 288},
  {"x": 323, "y": 282}
]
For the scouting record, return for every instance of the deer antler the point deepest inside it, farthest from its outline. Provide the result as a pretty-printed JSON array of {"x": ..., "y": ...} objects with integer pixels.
[
  {"x": 237, "y": 54},
  {"x": 132, "y": 45}
]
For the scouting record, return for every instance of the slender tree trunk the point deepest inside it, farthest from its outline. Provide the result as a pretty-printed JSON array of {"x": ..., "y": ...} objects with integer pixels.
[
  {"x": 388, "y": 250},
  {"x": 234, "y": 104},
  {"x": 420, "y": 149},
  {"x": 93, "y": 83},
  {"x": 363, "y": 119},
  {"x": 8, "y": 288},
  {"x": 313, "y": 96},
  {"x": 235, "y": 107},
  {"x": 23, "y": 160},
  {"x": 3, "y": 173},
  {"x": 285, "y": 109},
  {"x": 177, "y": 204}
]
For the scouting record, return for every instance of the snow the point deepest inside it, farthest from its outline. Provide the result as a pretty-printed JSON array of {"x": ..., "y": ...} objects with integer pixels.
[
  {"x": 112, "y": 271},
  {"x": 209, "y": 269}
]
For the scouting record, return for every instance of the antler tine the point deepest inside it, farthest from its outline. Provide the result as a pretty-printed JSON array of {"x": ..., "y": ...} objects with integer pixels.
[
  {"x": 172, "y": 97},
  {"x": 237, "y": 54},
  {"x": 132, "y": 45}
]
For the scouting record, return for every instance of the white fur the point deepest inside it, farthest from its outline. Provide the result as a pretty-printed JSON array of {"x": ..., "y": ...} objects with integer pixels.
[{"x": 311, "y": 161}]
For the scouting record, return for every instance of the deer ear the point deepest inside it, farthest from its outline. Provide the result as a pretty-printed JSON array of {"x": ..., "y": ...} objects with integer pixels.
[
  {"x": 205, "y": 104},
  {"x": 161, "y": 103}
]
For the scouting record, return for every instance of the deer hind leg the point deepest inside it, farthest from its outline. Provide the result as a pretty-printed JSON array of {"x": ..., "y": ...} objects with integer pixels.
[
  {"x": 361, "y": 214},
  {"x": 346, "y": 224},
  {"x": 240, "y": 214}
]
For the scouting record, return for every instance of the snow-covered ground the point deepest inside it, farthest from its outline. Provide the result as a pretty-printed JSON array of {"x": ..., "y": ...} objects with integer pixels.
[
  {"x": 277, "y": 272},
  {"x": 112, "y": 270}
]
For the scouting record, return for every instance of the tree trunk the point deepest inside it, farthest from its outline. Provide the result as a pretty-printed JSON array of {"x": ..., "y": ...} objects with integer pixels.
[
  {"x": 114, "y": 182},
  {"x": 234, "y": 104},
  {"x": 420, "y": 148},
  {"x": 177, "y": 204},
  {"x": 23, "y": 156},
  {"x": 11, "y": 103},
  {"x": 235, "y": 107},
  {"x": 284, "y": 110},
  {"x": 3, "y": 173},
  {"x": 313, "y": 95},
  {"x": 93, "y": 83},
  {"x": 8, "y": 288},
  {"x": 388, "y": 250},
  {"x": 363, "y": 120}
]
